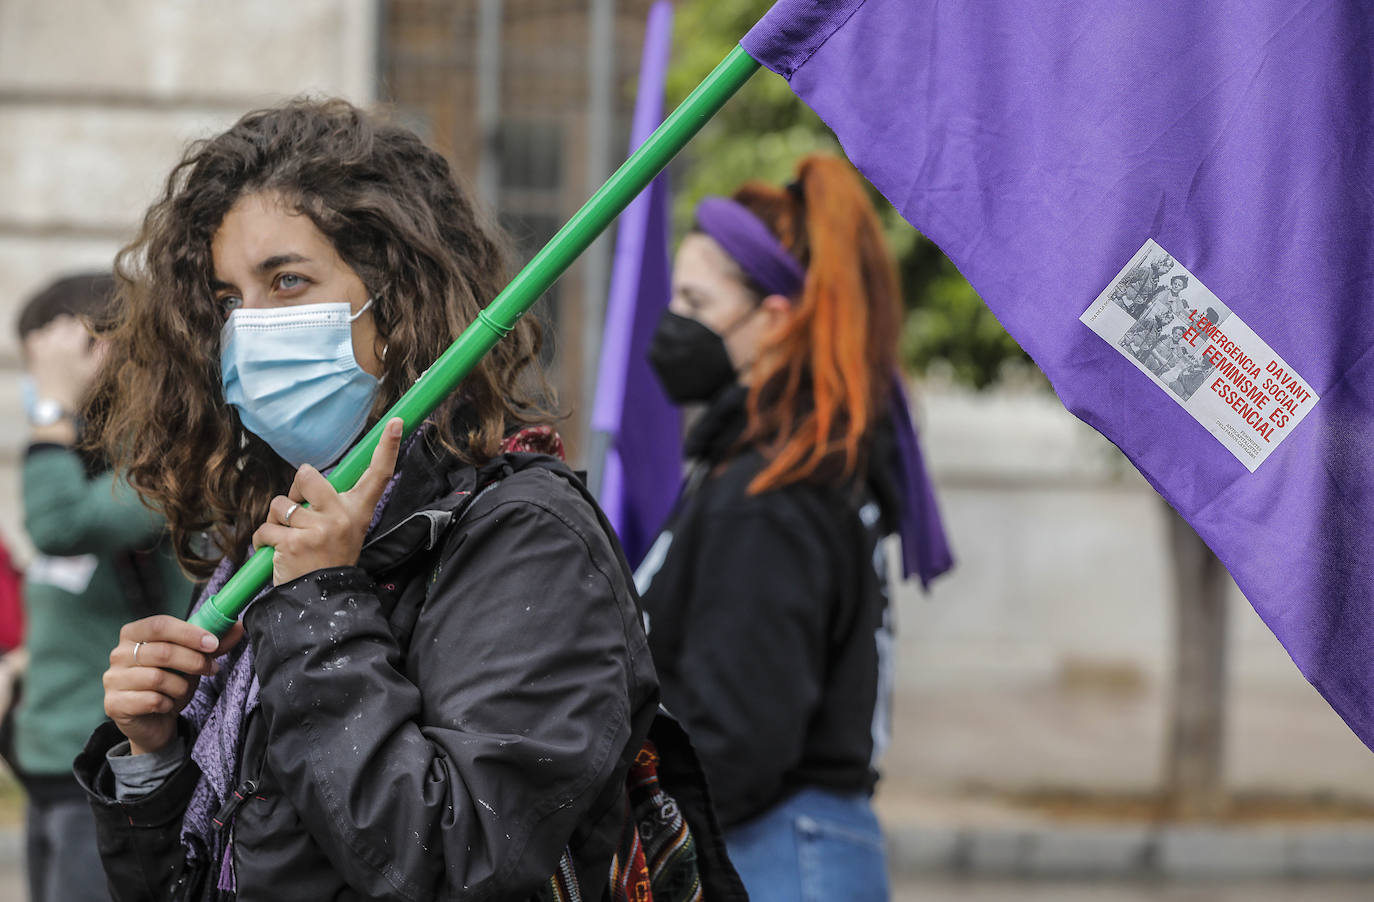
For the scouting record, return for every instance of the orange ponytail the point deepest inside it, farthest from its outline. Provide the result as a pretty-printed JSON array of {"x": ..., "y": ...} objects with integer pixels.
[{"x": 840, "y": 344}]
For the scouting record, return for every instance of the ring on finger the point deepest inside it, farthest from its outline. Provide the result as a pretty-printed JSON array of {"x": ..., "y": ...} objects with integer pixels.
[
  {"x": 136, "y": 645},
  {"x": 286, "y": 517}
]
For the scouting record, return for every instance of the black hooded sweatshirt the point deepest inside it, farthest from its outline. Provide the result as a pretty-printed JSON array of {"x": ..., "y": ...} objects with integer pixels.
[{"x": 768, "y": 620}]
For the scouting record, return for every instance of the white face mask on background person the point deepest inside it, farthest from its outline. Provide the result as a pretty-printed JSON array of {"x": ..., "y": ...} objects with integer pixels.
[{"x": 291, "y": 374}]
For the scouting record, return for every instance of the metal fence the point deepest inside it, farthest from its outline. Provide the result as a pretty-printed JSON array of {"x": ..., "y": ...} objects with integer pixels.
[{"x": 530, "y": 100}]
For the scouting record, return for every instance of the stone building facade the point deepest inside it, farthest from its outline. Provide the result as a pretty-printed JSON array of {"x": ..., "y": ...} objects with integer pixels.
[{"x": 98, "y": 98}]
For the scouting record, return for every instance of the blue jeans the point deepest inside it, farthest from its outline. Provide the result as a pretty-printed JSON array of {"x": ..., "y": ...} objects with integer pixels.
[{"x": 816, "y": 846}]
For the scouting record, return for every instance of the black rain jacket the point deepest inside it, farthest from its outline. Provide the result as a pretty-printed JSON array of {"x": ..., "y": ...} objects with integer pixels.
[
  {"x": 769, "y": 620},
  {"x": 438, "y": 722}
]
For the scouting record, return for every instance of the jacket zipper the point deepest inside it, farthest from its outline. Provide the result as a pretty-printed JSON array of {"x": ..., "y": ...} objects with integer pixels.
[{"x": 235, "y": 802}]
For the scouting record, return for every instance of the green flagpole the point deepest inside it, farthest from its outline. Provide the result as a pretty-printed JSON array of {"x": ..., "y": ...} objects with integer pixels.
[{"x": 219, "y": 613}]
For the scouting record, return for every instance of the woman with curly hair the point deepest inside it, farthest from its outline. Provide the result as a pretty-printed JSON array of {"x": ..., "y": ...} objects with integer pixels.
[
  {"x": 766, "y": 591},
  {"x": 442, "y": 691}
]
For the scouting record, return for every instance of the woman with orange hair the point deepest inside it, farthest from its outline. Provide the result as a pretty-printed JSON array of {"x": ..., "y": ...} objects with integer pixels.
[{"x": 766, "y": 591}]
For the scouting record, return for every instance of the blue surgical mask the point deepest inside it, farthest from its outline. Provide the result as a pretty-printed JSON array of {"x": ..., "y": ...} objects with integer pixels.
[{"x": 291, "y": 374}]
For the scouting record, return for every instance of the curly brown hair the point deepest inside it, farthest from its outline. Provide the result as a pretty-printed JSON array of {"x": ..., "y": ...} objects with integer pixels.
[{"x": 395, "y": 214}]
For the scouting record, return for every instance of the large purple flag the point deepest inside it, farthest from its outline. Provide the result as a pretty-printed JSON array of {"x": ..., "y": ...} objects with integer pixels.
[
  {"x": 643, "y": 430},
  {"x": 1171, "y": 207}
]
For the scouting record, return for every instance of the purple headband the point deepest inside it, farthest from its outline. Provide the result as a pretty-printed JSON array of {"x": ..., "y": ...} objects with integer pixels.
[{"x": 750, "y": 244}]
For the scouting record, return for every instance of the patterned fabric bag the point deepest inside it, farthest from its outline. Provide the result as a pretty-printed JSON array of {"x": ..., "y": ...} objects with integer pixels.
[{"x": 657, "y": 858}]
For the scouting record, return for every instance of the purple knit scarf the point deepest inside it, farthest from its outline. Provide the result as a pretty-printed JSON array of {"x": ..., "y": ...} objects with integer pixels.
[{"x": 218, "y": 712}]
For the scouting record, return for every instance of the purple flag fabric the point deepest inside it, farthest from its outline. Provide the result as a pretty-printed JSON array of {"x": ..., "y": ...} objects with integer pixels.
[
  {"x": 642, "y": 467},
  {"x": 925, "y": 548},
  {"x": 1085, "y": 162}
]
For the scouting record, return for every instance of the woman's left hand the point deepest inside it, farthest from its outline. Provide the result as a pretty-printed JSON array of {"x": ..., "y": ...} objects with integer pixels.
[{"x": 330, "y": 532}]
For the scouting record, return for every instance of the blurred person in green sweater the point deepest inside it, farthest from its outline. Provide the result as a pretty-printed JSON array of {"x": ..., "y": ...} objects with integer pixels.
[{"x": 102, "y": 560}]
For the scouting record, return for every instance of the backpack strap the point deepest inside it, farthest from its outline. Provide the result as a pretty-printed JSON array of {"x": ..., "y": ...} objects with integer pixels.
[{"x": 671, "y": 848}]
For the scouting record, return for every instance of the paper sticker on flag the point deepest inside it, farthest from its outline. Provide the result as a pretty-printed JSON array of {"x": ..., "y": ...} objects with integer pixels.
[{"x": 1176, "y": 331}]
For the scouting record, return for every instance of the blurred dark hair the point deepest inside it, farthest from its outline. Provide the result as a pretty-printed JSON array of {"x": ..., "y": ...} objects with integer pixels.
[{"x": 87, "y": 296}]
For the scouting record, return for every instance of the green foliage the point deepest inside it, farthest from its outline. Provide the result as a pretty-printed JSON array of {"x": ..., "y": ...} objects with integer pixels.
[
  {"x": 950, "y": 323},
  {"x": 761, "y": 133}
]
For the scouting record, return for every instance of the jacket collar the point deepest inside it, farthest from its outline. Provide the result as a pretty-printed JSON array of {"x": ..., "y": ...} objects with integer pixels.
[
  {"x": 431, "y": 488},
  {"x": 716, "y": 433},
  {"x": 434, "y": 489}
]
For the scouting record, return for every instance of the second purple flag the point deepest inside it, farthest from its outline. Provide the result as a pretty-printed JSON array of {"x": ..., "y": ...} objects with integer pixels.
[{"x": 642, "y": 429}]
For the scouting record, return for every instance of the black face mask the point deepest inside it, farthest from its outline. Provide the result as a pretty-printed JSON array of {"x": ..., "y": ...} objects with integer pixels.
[{"x": 689, "y": 359}]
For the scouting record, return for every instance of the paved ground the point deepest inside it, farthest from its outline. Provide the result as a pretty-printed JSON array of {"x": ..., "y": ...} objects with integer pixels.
[
  {"x": 997, "y": 891},
  {"x": 975, "y": 890},
  {"x": 12, "y": 886},
  {"x": 12, "y": 890}
]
